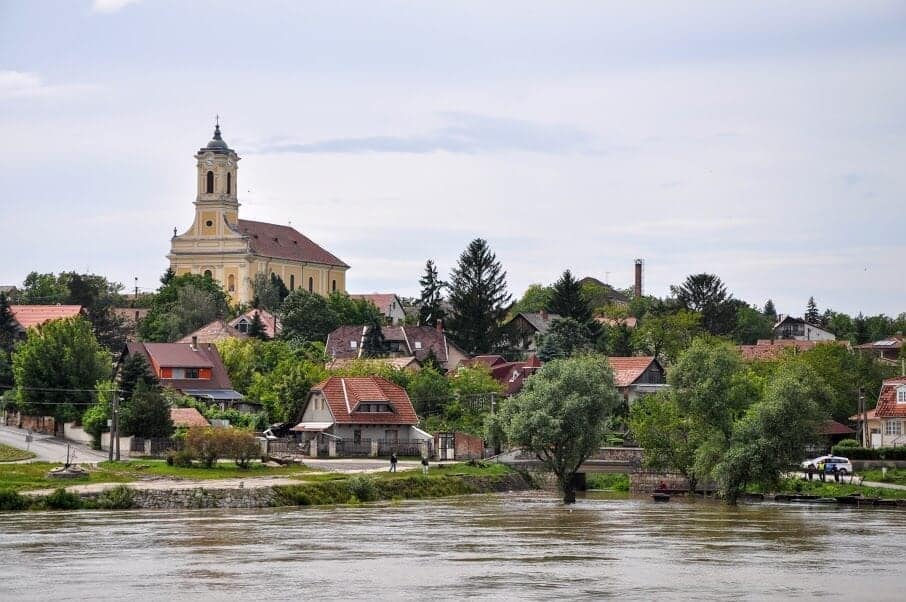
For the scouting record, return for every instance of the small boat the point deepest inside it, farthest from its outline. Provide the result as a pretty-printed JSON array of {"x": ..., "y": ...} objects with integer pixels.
[{"x": 660, "y": 497}]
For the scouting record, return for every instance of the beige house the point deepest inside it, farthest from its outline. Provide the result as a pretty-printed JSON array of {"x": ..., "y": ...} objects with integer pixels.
[{"x": 232, "y": 250}]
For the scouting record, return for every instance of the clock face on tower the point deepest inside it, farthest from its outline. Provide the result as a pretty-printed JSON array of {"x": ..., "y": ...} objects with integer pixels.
[
  {"x": 209, "y": 162},
  {"x": 229, "y": 163}
]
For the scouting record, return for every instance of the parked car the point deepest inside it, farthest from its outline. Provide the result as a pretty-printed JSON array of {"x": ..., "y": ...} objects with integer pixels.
[{"x": 844, "y": 466}]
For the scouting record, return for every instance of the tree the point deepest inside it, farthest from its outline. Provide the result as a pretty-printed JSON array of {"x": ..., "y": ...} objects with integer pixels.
[
  {"x": 429, "y": 391},
  {"x": 431, "y": 301},
  {"x": 265, "y": 292},
  {"x": 567, "y": 299},
  {"x": 561, "y": 415},
  {"x": 769, "y": 311},
  {"x": 8, "y": 336},
  {"x": 185, "y": 303},
  {"x": 373, "y": 344},
  {"x": 666, "y": 336},
  {"x": 57, "y": 367},
  {"x": 478, "y": 297},
  {"x": 256, "y": 328},
  {"x": 354, "y": 312},
  {"x": 536, "y": 298},
  {"x": 135, "y": 372},
  {"x": 812, "y": 316},
  {"x": 667, "y": 435},
  {"x": 564, "y": 337},
  {"x": 307, "y": 317},
  {"x": 42, "y": 289},
  {"x": 707, "y": 295},
  {"x": 773, "y": 435},
  {"x": 146, "y": 414},
  {"x": 751, "y": 325}
]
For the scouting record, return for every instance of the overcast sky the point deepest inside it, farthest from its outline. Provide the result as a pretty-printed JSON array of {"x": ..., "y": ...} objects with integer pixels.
[{"x": 761, "y": 141}]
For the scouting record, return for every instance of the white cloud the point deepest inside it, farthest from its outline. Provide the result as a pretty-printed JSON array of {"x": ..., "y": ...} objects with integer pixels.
[
  {"x": 110, "y": 6},
  {"x": 23, "y": 84}
]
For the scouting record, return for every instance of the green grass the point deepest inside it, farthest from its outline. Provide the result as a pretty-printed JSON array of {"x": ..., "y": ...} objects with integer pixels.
[
  {"x": 136, "y": 469},
  {"x": 897, "y": 476},
  {"x": 608, "y": 481},
  {"x": 33, "y": 475},
  {"x": 832, "y": 489},
  {"x": 8, "y": 453}
]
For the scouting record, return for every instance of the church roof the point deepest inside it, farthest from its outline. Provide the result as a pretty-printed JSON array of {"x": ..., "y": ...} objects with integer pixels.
[{"x": 284, "y": 242}]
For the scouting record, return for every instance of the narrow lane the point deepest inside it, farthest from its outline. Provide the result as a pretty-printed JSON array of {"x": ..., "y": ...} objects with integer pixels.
[{"x": 48, "y": 448}]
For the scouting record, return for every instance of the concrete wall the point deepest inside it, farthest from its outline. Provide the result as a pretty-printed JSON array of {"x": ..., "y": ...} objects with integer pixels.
[
  {"x": 75, "y": 433},
  {"x": 125, "y": 444}
]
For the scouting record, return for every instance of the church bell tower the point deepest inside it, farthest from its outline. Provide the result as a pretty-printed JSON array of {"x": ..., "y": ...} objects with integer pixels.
[{"x": 216, "y": 203}]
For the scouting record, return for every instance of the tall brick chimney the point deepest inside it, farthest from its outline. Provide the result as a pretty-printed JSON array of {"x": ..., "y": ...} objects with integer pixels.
[{"x": 638, "y": 278}]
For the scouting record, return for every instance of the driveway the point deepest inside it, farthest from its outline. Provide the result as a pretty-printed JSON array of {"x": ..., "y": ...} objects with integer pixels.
[{"x": 50, "y": 449}]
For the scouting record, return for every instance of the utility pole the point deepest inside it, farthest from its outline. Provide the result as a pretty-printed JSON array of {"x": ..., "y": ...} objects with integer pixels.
[
  {"x": 115, "y": 429},
  {"x": 865, "y": 434}
]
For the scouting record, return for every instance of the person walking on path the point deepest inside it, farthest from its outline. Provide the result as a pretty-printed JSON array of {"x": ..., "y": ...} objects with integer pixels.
[
  {"x": 424, "y": 466},
  {"x": 810, "y": 471},
  {"x": 836, "y": 473},
  {"x": 821, "y": 471},
  {"x": 393, "y": 462}
]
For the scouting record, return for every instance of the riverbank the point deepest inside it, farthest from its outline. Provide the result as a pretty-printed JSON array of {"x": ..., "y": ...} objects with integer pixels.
[{"x": 301, "y": 489}]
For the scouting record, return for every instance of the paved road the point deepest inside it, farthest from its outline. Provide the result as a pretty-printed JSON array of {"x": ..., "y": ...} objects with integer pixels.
[{"x": 50, "y": 449}]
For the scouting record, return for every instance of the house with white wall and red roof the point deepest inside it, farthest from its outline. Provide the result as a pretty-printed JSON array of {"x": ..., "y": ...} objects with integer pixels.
[{"x": 891, "y": 414}]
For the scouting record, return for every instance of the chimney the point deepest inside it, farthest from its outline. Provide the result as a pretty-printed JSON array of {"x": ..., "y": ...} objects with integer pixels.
[
  {"x": 638, "y": 278},
  {"x": 440, "y": 325},
  {"x": 194, "y": 343}
]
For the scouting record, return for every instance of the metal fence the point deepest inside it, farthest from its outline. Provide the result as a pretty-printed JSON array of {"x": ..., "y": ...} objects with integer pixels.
[{"x": 403, "y": 447}]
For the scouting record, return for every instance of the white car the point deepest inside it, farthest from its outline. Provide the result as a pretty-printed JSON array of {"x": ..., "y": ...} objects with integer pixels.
[{"x": 843, "y": 464}]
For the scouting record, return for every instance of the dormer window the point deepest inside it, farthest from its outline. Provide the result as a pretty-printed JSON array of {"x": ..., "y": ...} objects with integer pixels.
[
  {"x": 418, "y": 344},
  {"x": 353, "y": 344},
  {"x": 901, "y": 395}
]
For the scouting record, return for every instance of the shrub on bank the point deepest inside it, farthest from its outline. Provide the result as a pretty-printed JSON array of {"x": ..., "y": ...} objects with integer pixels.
[
  {"x": 208, "y": 444},
  {"x": 867, "y": 453},
  {"x": 848, "y": 443},
  {"x": 12, "y": 500},
  {"x": 120, "y": 497},
  {"x": 61, "y": 499}
]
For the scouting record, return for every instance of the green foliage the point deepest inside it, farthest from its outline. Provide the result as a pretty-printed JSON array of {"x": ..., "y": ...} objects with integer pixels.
[
  {"x": 146, "y": 414},
  {"x": 751, "y": 325},
  {"x": 669, "y": 437},
  {"x": 134, "y": 371},
  {"x": 268, "y": 291},
  {"x": 351, "y": 311},
  {"x": 11, "y": 500},
  {"x": 208, "y": 444},
  {"x": 183, "y": 304},
  {"x": 94, "y": 420},
  {"x": 847, "y": 443},
  {"x": 43, "y": 289},
  {"x": 667, "y": 335},
  {"x": 868, "y": 453},
  {"x": 536, "y": 298},
  {"x": 613, "y": 482},
  {"x": 567, "y": 300},
  {"x": 430, "y": 391},
  {"x": 812, "y": 316},
  {"x": 8, "y": 453},
  {"x": 431, "y": 300},
  {"x": 61, "y": 499},
  {"x": 561, "y": 414},
  {"x": 120, "y": 497},
  {"x": 8, "y": 330},
  {"x": 256, "y": 328},
  {"x": 181, "y": 458},
  {"x": 564, "y": 337},
  {"x": 373, "y": 343},
  {"x": 707, "y": 295},
  {"x": 205, "y": 444},
  {"x": 770, "y": 311},
  {"x": 371, "y": 367},
  {"x": 307, "y": 317},
  {"x": 479, "y": 297},
  {"x": 57, "y": 367},
  {"x": 363, "y": 488}
]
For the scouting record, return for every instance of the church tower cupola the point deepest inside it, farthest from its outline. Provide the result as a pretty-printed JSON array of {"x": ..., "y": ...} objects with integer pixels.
[{"x": 217, "y": 166}]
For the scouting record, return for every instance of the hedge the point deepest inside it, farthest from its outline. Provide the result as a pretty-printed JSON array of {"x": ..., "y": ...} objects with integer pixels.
[{"x": 867, "y": 453}]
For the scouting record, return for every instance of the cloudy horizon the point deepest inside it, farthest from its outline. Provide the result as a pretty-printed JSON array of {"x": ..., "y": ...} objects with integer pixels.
[{"x": 760, "y": 143}]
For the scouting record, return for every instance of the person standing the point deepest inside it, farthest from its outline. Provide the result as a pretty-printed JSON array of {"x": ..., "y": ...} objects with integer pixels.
[
  {"x": 424, "y": 466},
  {"x": 821, "y": 471},
  {"x": 810, "y": 471},
  {"x": 836, "y": 473},
  {"x": 393, "y": 462}
]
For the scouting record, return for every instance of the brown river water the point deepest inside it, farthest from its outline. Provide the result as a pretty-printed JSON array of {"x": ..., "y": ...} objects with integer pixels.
[{"x": 510, "y": 546}]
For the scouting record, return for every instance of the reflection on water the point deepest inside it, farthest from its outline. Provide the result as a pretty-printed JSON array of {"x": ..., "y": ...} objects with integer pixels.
[{"x": 502, "y": 546}]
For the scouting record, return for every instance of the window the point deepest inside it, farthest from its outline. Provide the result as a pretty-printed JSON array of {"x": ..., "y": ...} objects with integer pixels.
[
  {"x": 901, "y": 395},
  {"x": 292, "y": 282},
  {"x": 353, "y": 344},
  {"x": 311, "y": 284},
  {"x": 418, "y": 344},
  {"x": 333, "y": 286},
  {"x": 208, "y": 274},
  {"x": 893, "y": 427},
  {"x": 242, "y": 326},
  {"x": 357, "y": 436},
  {"x": 391, "y": 436},
  {"x": 231, "y": 283},
  {"x": 229, "y": 183},
  {"x": 209, "y": 183},
  {"x": 191, "y": 372}
]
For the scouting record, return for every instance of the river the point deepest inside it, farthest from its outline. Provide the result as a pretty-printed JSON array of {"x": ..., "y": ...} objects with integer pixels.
[{"x": 509, "y": 546}]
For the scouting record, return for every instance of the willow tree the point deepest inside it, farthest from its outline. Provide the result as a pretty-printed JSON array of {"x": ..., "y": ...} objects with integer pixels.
[{"x": 561, "y": 415}]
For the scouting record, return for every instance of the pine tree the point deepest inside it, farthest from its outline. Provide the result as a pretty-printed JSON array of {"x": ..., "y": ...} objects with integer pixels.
[
  {"x": 373, "y": 345},
  {"x": 769, "y": 310},
  {"x": 812, "y": 316},
  {"x": 478, "y": 296},
  {"x": 134, "y": 373},
  {"x": 8, "y": 330},
  {"x": 256, "y": 328},
  {"x": 567, "y": 300},
  {"x": 431, "y": 300},
  {"x": 167, "y": 276}
]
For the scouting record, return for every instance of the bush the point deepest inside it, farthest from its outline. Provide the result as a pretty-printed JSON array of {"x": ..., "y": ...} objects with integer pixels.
[
  {"x": 182, "y": 458},
  {"x": 242, "y": 446},
  {"x": 848, "y": 443},
  {"x": 11, "y": 500},
  {"x": 205, "y": 444},
  {"x": 866, "y": 453},
  {"x": 362, "y": 488},
  {"x": 209, "y": 444},
  {"x": 118, "y": 498},
  {"x": 61, "y": 499}
]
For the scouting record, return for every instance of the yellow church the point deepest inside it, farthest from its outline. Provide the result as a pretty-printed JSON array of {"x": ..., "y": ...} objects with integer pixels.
[{"x": 233, "y": 250}]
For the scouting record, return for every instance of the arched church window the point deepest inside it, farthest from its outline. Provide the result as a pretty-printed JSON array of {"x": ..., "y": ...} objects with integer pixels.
[
  {"x": 208, "y": 274},
  {"x": 231, "y": 283},
  {"x": 311, "y": 284},
  {"x": 209, "y": 182},
  {"x": 333, "y": 286},
  {"x": 292, "y": 282},
  {"x": 229, "y": 183}
]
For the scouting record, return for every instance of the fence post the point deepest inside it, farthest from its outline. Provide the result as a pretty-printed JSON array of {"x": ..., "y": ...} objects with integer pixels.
[
  {"x": 332, "y": 448},
  {"x": 374, "y": 448},
  {"x": 313, "y": 448}
]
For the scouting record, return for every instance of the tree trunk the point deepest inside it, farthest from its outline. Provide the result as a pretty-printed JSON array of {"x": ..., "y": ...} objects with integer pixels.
[{"x": 567, "y": 486}]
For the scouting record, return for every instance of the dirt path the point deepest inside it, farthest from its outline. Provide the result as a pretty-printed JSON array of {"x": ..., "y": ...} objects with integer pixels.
[{"x": 171, "y": 484}]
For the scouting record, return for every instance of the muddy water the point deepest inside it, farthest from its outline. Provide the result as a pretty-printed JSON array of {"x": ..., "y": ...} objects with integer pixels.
[{"x": 504, "y": 547}]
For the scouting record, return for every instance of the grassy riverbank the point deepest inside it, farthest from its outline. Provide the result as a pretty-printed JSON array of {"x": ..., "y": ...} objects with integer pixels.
[
  {"x": 8, "y": 453},
  {"x": 831, "y": 489},
  {"x": 895, "y": 476}
]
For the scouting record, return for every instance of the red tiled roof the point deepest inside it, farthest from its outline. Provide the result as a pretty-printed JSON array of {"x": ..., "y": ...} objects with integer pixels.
[
  {"x": 35, "y": 315},
  {"x": 218, "y": 330},
  {"x": 173, "y": 354},
  {"x": 381, "y": 300},
  {"x": 891, "y": 342},
  {"x": 272, "y": 326},
  {"x": 832, "y": 427},
  {"x": 766, "y": 349},
  {"x": 489, "y": 361},
  {"x": 343, "y": 394},
  {"x": 284, "y": 242},
  {"x": 627, "y": 370},
  {"x": 187, "y": 417},
  {"x": 887, "y": 399}
]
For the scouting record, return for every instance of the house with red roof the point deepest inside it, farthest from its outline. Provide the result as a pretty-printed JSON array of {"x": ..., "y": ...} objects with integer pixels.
[
  {"x": 420, "y": 342},
  {"x": 510, "y": 375},
  {"x": 30, "y": 316},
  {"x": 194, "y": 369},
  {"x": 525, "y": 329},
  {"x": 360, "y": 414},
  {"x": 891, "y": 414},
  {"x": 389, "y": 305},
  {"x": 271, "y": 323},
  {"x": 773, "y": 349},
  {"x": 218, "y": 330},
  {"x": 637, "y": 376},
  {"x": 187, "y": 418},
  {"x": 887, "y": 349}
]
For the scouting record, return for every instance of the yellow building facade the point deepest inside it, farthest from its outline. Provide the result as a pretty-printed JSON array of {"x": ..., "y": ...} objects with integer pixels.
[{"x": 232, "y": 250}]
